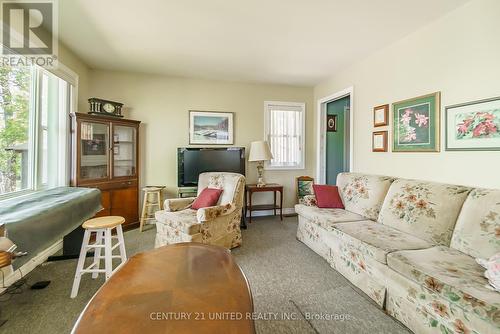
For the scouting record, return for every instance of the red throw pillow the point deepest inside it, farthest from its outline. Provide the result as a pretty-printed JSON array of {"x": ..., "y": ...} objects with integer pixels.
[
  {"x": 328, "y": 196},
  {"x": 207, "y": 197}
]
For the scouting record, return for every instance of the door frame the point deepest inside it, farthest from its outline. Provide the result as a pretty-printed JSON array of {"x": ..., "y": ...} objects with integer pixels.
[{"x": 321, "y": 133}]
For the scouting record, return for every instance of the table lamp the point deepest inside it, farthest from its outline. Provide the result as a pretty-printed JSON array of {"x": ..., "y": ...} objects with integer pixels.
[{"x": 260, "y": 152}]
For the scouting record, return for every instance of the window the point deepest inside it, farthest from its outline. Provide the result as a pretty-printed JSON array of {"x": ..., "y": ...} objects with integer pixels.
[
  {"x": 285, "y": 133},
  {"x": 34, "y": 105}
]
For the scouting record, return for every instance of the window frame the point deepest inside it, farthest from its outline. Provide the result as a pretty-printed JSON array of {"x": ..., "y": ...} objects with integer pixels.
[
  {"x": 35, "y": 129},
  {"x": 302, "y": 141}
]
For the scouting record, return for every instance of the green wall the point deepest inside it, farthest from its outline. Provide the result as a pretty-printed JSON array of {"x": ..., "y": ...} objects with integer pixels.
[{"x": 335, "y": 141}]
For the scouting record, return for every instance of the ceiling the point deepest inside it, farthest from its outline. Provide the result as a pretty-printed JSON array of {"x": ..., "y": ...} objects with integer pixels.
[{"x": 297, "y": 42}]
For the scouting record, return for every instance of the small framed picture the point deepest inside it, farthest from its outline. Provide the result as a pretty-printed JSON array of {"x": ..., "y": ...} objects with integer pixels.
[
  {"x": 473, "y": 126},
  {"x": 381, "y": 115},
  {"x": 331, "y": 123},
  {"x": 379, "y": 141}
]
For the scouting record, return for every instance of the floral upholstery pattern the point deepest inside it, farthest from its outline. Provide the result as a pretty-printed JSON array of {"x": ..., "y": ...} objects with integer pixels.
[
  {"x": 308, "y": 200},
  {"x": 453, "y": 276},
  {"x": 376, "y": 240},
  {"x": 177, "y": 204},
  {"x": 363, "y": 194},
  {"x": 217, "y": 225},
  {"x": 477, "y": 232},
  {"x": 424, "y": 209},
  {"x": 212, "y": 212},
  {"x": 425, "y": 311},
  {"x": 184, "y": 221},
  {"x": 403, "y": 262},
  {"x": 326, "y": 218}
]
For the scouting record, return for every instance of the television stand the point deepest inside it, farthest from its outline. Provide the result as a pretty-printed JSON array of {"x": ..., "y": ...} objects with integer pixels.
[{"x": 183, "y": 192}]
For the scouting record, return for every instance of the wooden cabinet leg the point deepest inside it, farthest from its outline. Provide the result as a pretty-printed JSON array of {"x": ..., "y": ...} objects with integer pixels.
[
  {"x": 250, "y": 207},
  {"x": 274, "y": 202},
  {"x": 281, "y": 205}
]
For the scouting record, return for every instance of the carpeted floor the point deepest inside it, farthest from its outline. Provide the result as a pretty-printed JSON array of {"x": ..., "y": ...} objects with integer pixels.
[{"x": 287, "y": 280}]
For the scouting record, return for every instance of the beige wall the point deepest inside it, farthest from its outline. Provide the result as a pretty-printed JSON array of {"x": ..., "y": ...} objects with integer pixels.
[
  {"x": 458, "y": 55},
  {"x": 162, "y": 104},
  {"x": 69, "y": 59}
]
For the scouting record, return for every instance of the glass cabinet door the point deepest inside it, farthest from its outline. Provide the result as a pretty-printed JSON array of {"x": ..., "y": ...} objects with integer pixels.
[
  {"x": 124, "y": 150},
  {"x": 94, "y": 151}
]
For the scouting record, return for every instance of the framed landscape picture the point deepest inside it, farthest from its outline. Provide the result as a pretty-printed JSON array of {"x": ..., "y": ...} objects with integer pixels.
[
  {"x": 473, "y": 126},
  {"x": 304, "y": 187},
  {"x": 381, "y": 115},
  {"x": 379, "y": 141},
  {"x": 210, "y": 128},
  {"x": 416, "y": 124}
]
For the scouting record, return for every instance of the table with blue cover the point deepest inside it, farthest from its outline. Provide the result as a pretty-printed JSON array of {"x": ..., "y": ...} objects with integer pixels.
[{"x": 36, "y": 221}]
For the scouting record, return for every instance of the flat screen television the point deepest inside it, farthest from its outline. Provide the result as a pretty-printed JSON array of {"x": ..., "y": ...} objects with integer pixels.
[{"x": 192, "y": 161}]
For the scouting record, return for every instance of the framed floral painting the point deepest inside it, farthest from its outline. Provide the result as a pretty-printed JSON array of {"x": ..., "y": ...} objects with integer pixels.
[
  {"x": 473, "y": 126},
  {"x": 416, "y": 124}
]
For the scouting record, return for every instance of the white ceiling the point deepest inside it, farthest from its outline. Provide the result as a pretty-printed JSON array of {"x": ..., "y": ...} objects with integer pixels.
[{"x": 298, "y": 42}]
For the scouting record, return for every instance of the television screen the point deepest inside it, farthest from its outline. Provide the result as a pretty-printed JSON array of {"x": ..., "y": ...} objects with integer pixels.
[{"x": 194, "y": 161}]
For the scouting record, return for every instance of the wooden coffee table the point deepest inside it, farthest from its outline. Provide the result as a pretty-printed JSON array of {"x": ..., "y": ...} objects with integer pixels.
[{"x": 180, "y": 288}]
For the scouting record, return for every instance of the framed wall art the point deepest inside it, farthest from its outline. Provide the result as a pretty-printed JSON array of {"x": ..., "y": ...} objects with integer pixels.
[
  {"x": 379, "y": 141},
  {"x": 381, "y": 115},
  {"x": 210, "y": 128},
  {"x": 331, "y": 123},
  {"x": 473, "y": 126},
  {"x": 416, "y": 124},
  {"x": 304, "y": 187}
]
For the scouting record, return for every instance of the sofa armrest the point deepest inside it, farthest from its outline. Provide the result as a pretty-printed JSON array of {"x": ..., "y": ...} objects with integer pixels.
[
  {"x": 212, "y": 212},
  {"x": 308, "y": 200},
  {"x": 177, "y": 204}
]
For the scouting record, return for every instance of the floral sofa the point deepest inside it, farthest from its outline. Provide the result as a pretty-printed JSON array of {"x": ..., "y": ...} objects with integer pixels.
[
  {"x": 411, "y": 246},
  {"x": 216, "y": 225}
]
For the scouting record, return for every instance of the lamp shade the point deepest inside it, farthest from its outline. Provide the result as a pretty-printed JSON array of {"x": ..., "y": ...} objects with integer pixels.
[{"x": 259, "y": 151}]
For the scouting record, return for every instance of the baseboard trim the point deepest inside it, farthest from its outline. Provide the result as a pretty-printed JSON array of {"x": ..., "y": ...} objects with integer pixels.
[
  {"x": 263, "y": 213},
  {"x": 9, "y": 276}
]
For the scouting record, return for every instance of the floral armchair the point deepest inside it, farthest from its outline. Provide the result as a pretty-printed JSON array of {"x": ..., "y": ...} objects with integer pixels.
[{"x": 216, "y": 225}]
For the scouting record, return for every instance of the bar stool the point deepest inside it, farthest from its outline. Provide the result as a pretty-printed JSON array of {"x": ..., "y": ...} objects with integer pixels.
[
  {"x": 103, "y": 227},
  {"x": 152, "y": 200}
]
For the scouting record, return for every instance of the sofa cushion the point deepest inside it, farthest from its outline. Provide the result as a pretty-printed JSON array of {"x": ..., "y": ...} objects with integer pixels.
[
  {"x": 184, "y": 221},
  {"x": 327, "y": 196},
  {"x": 363, "y": 194},
  {"x": 451, "y": 274},
  {"x": 477, "y": 231},
  {"x": 426, "y": 210},
  {"x": 326, "y": 218},
  {"x": 377, "y": 240}
]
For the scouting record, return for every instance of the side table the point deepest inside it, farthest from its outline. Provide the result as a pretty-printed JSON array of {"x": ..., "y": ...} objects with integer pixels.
[{"x": 250, "y": 189}]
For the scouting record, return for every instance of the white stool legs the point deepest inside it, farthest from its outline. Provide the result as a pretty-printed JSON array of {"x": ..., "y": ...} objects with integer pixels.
[{"x": 104, "y": 241}]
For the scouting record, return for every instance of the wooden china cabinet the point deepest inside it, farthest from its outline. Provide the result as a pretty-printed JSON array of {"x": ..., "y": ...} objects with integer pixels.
[{"x": 105, "y": 155}]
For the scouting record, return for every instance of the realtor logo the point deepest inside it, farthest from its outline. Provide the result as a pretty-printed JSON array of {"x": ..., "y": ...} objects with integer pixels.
[{"x": 29, "y": 32}]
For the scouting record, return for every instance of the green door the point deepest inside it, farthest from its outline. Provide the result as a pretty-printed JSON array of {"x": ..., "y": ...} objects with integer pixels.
[{"x": 336, "y": 141}]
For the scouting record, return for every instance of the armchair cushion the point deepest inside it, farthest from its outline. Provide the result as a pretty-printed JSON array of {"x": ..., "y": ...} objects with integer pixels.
[
  {"x": 181, "y": 221},
  {"x": 212, "y": 212},
  {"x": 177, "y": 204},
  {"x": 208, "y": 197}
]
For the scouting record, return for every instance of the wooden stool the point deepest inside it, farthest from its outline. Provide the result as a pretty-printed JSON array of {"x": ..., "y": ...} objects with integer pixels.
[
  {"x": 102, "y": 226},
  {"x": 152, "y": 199}
]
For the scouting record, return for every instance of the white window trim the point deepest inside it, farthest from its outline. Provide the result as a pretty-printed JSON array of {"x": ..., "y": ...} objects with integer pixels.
[
  {"x": 71, "y": 77},
  {"x": 301, "y": 105}
]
